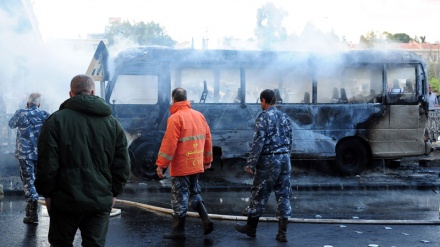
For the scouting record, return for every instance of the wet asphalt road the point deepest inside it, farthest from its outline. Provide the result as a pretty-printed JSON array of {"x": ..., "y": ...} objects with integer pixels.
[
  {"x": 407, "y": 194},
  {"x": 136, "y": 226}
]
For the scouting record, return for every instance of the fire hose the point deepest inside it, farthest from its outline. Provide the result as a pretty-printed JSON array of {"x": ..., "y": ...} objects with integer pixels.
[{"x": 291, "y": 220}]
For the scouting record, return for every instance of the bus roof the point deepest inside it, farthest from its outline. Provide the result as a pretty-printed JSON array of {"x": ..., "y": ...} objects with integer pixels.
[{"x": 156, "y": 54}]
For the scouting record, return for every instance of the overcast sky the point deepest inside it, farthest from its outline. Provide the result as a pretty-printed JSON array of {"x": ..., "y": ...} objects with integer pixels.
[{"x": 184, "y": 20}]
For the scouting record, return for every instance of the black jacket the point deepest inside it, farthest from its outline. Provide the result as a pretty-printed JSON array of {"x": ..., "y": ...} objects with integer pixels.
[{"x": 83, "y": 160}]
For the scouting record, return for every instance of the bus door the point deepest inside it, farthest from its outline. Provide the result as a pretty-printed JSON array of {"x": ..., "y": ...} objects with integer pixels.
[{"x": 402, "y": 100}]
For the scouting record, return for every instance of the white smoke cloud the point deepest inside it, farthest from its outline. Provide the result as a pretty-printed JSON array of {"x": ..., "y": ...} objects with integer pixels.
[{"x": 29, "y": 65}]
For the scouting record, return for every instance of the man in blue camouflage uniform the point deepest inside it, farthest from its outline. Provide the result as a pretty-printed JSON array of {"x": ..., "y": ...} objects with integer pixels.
[
  {"x": 28, "y": 123},
  {"x": 269, "y": 162}
]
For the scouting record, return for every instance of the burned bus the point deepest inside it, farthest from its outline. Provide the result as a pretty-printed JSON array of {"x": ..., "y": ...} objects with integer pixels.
[{"x": 349, "y": 108}]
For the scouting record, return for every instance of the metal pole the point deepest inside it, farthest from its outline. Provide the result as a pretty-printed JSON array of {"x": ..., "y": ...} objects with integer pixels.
[
  {"x": 102, "y": 87},
  {"x": 438, "y": 62}
]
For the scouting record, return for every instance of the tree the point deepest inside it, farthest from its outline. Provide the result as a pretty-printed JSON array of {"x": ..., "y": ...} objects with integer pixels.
[
  {"x": 419, "y": 39},
  {"x": 432, "y": 77},
  {"x": 270, "y": 28},
  {"x": 371, "y": 38},
  {"x": 416, "y": 39},
  {"x": 312, "y": 38},
  {"x": 400, "y": 38},
  {"x": 150, "y": 33},
  {"x": 387, "y": 35}
]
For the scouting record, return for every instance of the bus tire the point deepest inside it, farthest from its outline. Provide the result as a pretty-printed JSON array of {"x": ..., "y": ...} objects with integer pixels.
[
  {"x": 351, "y": 157},
  {"x": 143, "y": 161}
]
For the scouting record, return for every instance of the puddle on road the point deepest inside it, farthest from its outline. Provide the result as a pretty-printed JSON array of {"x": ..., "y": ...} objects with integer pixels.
[{"x": 393, "y": 205}]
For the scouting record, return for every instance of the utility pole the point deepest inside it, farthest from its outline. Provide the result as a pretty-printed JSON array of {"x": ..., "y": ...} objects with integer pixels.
[
  {"x": 438, "y": 62},
  {"x": 205, "y": 40}
]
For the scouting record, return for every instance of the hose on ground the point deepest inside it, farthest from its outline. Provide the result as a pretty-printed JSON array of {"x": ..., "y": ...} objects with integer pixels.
[{"x": 291, "y": 220}]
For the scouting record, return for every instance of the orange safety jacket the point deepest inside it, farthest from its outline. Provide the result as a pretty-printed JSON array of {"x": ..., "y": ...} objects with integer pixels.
[{"x": 187, "y": 143}]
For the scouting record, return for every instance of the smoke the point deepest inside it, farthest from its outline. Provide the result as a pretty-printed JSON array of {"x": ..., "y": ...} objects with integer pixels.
[
  {"x": 311, "y": 39},
  {"x": 29, "y": 65}
]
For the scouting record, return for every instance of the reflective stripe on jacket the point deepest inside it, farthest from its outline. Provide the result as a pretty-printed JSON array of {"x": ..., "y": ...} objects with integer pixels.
[{"x": 187, "y": 143}]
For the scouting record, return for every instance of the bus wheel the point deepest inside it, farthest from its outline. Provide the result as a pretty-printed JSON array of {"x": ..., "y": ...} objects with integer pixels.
[
  {"x": 351, "y": 157},
  {"x": 143, "y": 161}
]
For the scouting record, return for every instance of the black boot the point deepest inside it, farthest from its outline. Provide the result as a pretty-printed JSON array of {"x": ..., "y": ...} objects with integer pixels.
[
  {"x": 282, "y": 230},
  {"x": 178, "y": 231},
  {"x": 250, "y": 228},
  {"x": 208, "y": 225},
  {"x": 28, "y": 206},
  {"x": 32, "y": 208}
]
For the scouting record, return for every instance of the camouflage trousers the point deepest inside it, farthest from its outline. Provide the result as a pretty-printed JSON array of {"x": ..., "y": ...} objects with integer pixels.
[
  {"x": 272, "y": 173},
  {"x": 27, "y": 174},
  {"x": 185, "y": 191}
]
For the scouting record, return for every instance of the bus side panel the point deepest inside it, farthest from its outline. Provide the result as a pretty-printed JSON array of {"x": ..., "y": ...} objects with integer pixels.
[
  {"x": 140, "y": 120},
  {"x": 136, "y": 117},
  {"x": 318, "y": 128},
  {"x": 403, "y": 131},
  {"x": 232, "y": 126},
  {"x": 393, "y": 132},
  {"x": 309, "y": 141}
]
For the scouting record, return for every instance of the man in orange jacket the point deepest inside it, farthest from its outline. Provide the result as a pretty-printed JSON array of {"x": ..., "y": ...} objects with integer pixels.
[{"x": 187, "y": 148}]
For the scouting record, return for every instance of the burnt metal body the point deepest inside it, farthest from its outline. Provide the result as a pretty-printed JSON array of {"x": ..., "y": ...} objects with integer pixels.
[{"x": 353, "y": 134}]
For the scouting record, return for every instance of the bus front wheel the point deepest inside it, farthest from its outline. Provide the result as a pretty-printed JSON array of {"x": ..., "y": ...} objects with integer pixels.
[
  {"x": 351, "y": 157},
  {"x": 143, "y": 161}
]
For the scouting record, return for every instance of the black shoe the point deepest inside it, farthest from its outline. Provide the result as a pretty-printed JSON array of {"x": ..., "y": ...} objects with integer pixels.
[
  {"x": 178, "y": 231},
  {"x": 31, "y": 213},
  {"x": 250, "y": 228},
  {"x": 208, "y": 225},
  {"x": 282, "y": 230}
]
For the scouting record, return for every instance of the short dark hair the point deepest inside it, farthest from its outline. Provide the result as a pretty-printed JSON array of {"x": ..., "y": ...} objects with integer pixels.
[
  {"x": 179, "y": 94},
  {"x": 269, "y": 96},
  {"x": 82, "y": 84}
]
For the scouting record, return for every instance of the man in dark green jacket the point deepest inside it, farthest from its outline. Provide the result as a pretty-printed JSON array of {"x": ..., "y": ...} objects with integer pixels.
[{"x": 83, "y": 164}]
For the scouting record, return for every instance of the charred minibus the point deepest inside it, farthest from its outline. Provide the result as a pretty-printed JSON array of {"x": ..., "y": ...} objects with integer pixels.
[{"x": 349, "y": 108}]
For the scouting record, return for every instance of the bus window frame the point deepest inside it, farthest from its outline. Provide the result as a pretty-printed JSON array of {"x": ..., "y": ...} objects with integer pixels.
[{"x": 400, "y": 101}]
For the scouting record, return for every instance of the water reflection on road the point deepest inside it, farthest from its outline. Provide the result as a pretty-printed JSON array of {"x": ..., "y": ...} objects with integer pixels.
[
  {"x": 138, "y": 227},
  {"x": 337, "y": 204}
]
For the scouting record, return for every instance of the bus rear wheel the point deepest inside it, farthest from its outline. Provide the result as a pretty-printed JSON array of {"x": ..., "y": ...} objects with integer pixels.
[{"x": 351, "y": 157}]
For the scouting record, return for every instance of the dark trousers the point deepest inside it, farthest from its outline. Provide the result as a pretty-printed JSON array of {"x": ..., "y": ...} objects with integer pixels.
[
  {"x": 185, "y": 191},
  {"x": 63, "y": 227},
  {"x": 272, "y": 174},
  {"x": 27, "y": 174}
]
